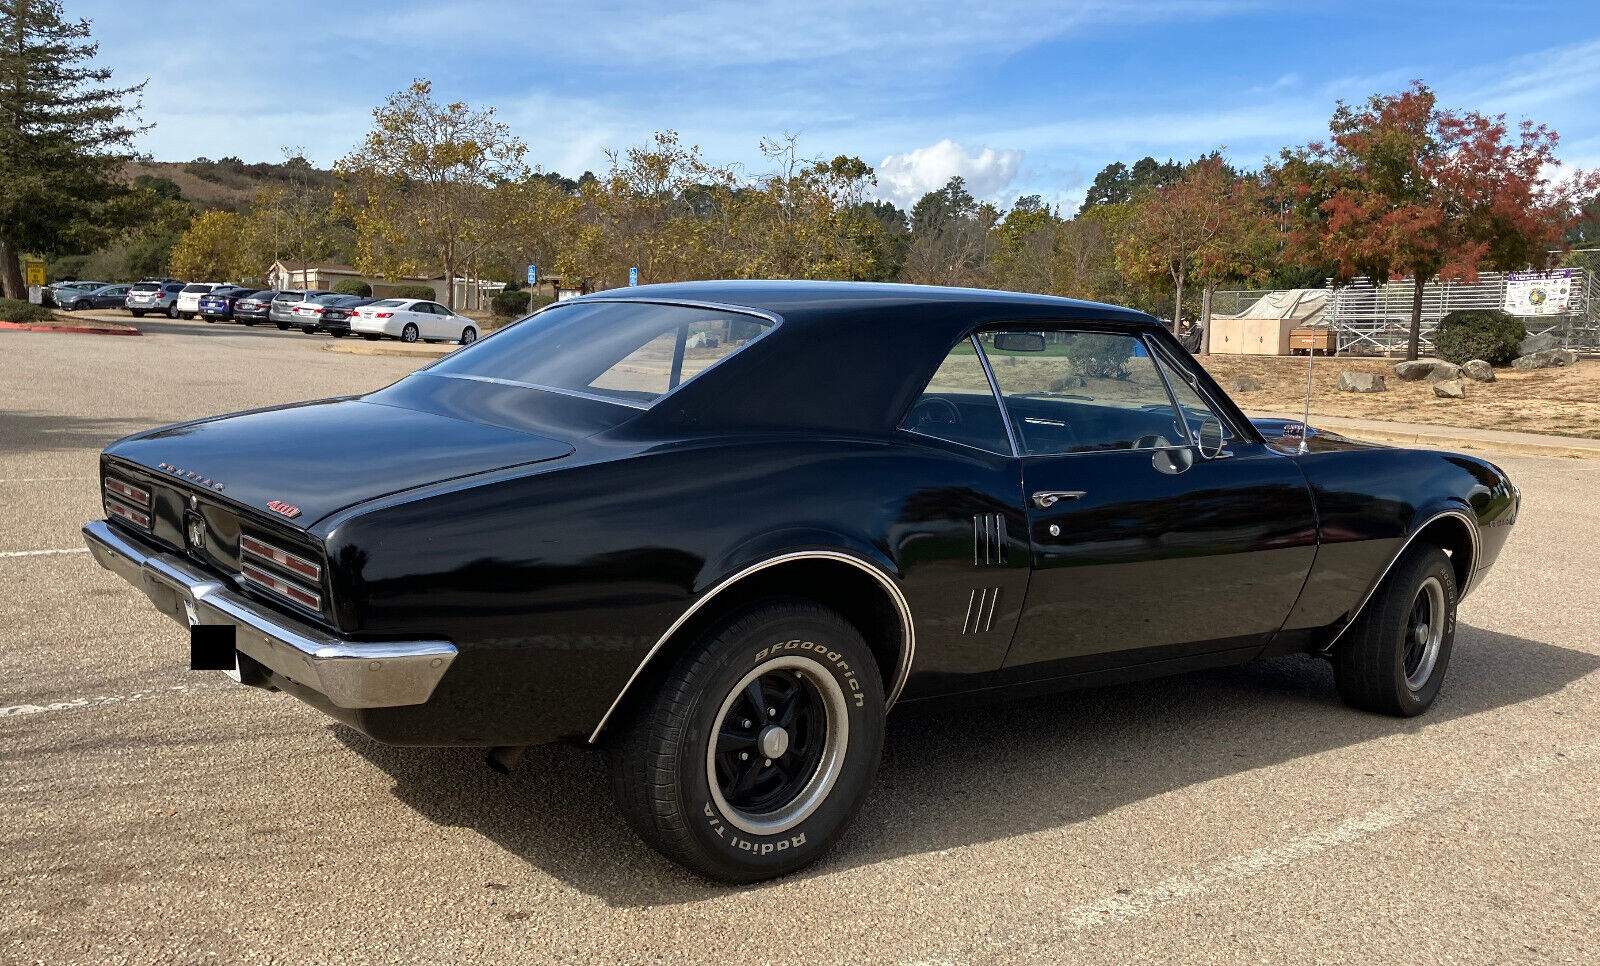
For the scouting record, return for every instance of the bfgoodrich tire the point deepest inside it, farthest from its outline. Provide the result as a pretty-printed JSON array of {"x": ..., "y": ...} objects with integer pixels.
[
  {"x": 1393, "y": 660},
  {"x": 756, "y": 751}
]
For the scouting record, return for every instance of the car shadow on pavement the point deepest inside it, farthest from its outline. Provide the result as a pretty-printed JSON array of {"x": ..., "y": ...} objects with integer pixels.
[
  {"x": 953, "y": 778},
  {"x": 40, "y": 432}
]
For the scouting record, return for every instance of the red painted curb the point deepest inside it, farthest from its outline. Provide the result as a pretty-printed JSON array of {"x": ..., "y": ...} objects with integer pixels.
[{"x": 68, "y": 328}]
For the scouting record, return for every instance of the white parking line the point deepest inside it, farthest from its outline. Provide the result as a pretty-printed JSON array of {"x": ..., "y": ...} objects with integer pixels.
[
  {"x": 1127, "y": 905},
  {"x": 105, "y": 699},
  {"x": 41, "y": 553}
]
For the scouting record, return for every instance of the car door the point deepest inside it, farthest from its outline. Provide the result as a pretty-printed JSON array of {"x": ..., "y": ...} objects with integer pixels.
[
  {"x": 438, "y": 321},
  {"x": 1143, "y": 549}
]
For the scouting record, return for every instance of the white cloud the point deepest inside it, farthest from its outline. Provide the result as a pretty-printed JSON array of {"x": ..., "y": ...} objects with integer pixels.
[{"x": 904, "y": 178}]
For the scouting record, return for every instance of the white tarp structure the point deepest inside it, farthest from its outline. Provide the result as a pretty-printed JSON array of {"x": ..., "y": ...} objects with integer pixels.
[
  {"x": 1305, "y": 307},
  {"x": 1263, "y": 327}
]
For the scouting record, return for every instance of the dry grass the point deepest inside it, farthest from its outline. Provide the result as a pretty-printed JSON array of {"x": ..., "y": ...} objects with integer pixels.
[{"x": 1563, "y": 402}]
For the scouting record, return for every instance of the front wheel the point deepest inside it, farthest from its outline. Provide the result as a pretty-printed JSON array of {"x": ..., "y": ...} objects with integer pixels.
[
  {"x": 370, "y": 337},
  {"x": 172, "y": 311},
  {"x": 758, "y": 748},
  {"x": 1392, "y": 661},
  {"x": 469, "y": 335},
  {"x": 82, "y": 307},
  {"x": 409, "y": 333}
]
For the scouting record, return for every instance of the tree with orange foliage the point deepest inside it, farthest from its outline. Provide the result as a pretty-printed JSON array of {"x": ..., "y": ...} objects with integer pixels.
[{"x": 1406, "y": 189}]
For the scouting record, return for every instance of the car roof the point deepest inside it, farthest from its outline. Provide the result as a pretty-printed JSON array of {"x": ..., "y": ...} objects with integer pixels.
[{"x": 847, "y": 356}]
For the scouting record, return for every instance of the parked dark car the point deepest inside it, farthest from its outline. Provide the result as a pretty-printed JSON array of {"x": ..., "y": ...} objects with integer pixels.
[
  {"x": 336, "y": 316},
  {"x": 718, "y": 529},
  {"x": 308, "y": 314},
  {"x": 254, "y": 308},
  {"x": 104, "y": 297},
  {"x": 218, "y": 304}
]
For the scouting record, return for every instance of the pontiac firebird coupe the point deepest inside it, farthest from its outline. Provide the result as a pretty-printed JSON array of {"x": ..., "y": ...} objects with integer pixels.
[{"x": 719, "y": 529}]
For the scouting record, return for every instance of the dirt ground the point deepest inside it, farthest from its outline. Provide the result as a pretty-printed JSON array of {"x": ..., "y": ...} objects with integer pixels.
[{"x": 1563, "y": 402}]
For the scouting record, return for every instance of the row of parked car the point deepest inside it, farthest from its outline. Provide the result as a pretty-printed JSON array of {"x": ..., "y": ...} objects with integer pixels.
[{"x": 310, "y": 310}]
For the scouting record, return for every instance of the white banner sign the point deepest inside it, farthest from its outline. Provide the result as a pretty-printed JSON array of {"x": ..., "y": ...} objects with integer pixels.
[{"x": 1539, "y": 293}]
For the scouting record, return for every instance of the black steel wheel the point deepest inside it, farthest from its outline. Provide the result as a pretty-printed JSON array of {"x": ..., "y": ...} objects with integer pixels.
[
  {"x": 1393, "y": 659},
  {"x": 409, "y": 333},
  {"x": 755, "y": 751}
]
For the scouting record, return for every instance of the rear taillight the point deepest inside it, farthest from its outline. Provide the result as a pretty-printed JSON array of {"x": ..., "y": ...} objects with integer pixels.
[
  {"x": 383, "y": 315},
  {"x": 280, "y": 572},
  {"x": 127, "y": 502},
  {"x": 316, "y": 311}
]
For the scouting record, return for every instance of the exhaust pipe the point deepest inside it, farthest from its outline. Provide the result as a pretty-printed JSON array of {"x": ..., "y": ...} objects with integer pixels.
[{"x": 505, "y": 758}]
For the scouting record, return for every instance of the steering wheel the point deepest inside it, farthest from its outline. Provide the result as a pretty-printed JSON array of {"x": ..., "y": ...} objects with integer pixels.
[{"x": 935, "y": 411}]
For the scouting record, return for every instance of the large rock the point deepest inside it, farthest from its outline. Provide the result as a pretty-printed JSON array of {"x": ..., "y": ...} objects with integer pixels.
[
  {"x": 1545, "y": 359},
  {"x": 1247, "y": 384},
  {"x": 1450, "y": 389},
  {"x": 1538, "y": 343},
  {"x": 1478, "y": 370},
  {"x": 1361, "y": 382},
  {"x": 1426, "y": 369}
]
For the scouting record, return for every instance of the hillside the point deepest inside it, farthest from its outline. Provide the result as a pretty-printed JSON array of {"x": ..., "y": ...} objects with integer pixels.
[{"x": 229, "y": 183}]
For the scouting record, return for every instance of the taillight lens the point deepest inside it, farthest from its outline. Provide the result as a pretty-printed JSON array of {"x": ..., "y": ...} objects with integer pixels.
[
  {"x": 283, "y": 573},
  {"x": 127, "y": 502},
  {"x": 383, "y": 315}
]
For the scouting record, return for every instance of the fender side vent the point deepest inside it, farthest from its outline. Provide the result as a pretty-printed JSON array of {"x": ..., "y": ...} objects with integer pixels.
[
  {"x": 988, "y": 539},
  {"x": 980, "y": 610}
]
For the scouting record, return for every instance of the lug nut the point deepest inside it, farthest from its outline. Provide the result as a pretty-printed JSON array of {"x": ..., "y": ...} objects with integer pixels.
[{"x": 744, "y": 756}]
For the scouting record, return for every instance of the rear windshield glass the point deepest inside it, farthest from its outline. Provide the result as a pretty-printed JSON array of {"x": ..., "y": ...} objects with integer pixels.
[
  {"x": 628, "y": 352},
  {"x": 146, "y": 287},
  {"x": 200, "y": 289},
  {"x": 328, "y": 299},
  {"x": 285, "y": 296},
  {"x": 387, "y": 304}
]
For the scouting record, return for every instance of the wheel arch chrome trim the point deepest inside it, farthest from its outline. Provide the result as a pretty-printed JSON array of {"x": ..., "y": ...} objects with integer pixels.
[
  {"x": 908, "y": 634},
  {"x": 1461, "y": 592}
]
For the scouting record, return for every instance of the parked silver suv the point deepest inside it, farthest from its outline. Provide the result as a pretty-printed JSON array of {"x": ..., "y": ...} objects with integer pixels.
[
  {"x": 281, "y": 313},
  {"x": 154, "y": 295}
]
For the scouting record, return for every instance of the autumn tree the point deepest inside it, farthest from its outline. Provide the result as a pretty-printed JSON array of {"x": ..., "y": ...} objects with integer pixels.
[
  {"x": 1404, "y": 188},
  {"x": 803, "y": 217},
  {"x": 1024, "y": 247},
  {"x": 65, "y": 136},
  {"x": 421, "y": 186},
  {"x": 213, "y": 248},
  {"x": 950, "y": 243}
]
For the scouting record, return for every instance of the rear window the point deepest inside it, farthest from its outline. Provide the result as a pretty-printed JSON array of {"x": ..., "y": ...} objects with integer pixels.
[
  {"x": 387, "y": 304},
  {"x": 627, "y": 352},
  {"x": 197, "y": 289},
  {"x": 329, "y": 299},
  {"x": 289, "y": 296},
  {"x": 146, "y": 287}
]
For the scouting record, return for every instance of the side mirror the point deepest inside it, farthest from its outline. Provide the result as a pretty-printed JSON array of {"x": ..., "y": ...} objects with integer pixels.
[
  {"x": 1209, "y": 438},
  {"x": 1018, "y": 342}
]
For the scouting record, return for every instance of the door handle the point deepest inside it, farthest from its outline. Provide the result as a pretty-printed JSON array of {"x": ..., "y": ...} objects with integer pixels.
[{"x": 1045, "y": 499}]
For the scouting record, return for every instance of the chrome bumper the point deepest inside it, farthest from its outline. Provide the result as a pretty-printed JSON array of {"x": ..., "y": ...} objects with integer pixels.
[{"x": 349, "y": 673}]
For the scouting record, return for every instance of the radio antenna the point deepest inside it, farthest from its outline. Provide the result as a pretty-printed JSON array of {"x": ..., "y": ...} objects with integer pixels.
[{"x": 1305, "y": 423}]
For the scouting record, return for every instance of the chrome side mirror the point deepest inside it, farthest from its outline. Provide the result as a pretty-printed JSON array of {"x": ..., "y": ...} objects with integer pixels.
[{"x": 1209, "y": 439}]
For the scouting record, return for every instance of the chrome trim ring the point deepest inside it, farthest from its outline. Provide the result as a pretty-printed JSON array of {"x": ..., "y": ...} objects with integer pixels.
[
  {"x": 908, "y": 633},
  {"x": 829, "y": 761},
  {"x": 1472, "y": 569},
  {"x": 1424, "y": 634}
]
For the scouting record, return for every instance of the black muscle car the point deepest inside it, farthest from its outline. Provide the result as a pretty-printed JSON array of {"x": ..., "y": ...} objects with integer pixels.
[{"x": 719, "y": 529}]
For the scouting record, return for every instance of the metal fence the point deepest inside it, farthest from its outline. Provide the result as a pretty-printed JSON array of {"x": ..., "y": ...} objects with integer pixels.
[{"x": 1376, "y": 319}]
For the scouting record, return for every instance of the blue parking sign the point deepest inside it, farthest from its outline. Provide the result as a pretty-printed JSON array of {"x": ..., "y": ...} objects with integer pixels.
[
  {"x": 633, "y": 276},
  {"x": 533, "y": 275}
]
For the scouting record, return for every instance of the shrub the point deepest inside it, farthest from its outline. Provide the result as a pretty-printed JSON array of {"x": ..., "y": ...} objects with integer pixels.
[
  {"x": 353, "y": 286},
  {"x": 12, "y": 310},
  {"x": 1100, "y": 356},
  {"x": 1488, "y": 334},
  {"x": 415, "y": 292},
  {"x": 511, "y": 305}
]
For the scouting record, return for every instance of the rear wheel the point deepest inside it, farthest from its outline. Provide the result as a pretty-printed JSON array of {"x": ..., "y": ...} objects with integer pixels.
[
  {"x": 187, "y": 316},
  {"x": 469, "y": 335},
  {"x": 1393, "y": 660},
  {"x": 172, "y": 311},
  {"x": 283, "y": 326},
  {"x": 339, "y": 333},
  {"x": 82, "y": 306},
  {"x": 758, "y": 748},
  {"x": 409, "y": 333},
  {"x": 309, "y": 329},
  {"x": 137, "y": 313}
]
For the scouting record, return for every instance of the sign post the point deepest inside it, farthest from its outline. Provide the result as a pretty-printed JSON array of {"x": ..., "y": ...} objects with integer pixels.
[
  {"x": 533, "y": 280},
  {"x": 633, "y": 276},
  {"x": 35, "y": 272}
]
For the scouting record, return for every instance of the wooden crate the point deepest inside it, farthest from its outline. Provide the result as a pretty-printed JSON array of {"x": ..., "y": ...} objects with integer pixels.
[{"x": 1322, "y": 342}]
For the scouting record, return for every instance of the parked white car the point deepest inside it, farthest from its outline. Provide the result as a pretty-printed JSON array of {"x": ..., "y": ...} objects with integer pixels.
[
  {"x": 411, "y": 319},
  {"x": 189, "y": 298}
]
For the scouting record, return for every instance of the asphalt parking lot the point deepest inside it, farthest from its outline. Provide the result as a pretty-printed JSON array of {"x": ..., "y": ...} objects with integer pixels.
[{"x": 153, "y": 814}]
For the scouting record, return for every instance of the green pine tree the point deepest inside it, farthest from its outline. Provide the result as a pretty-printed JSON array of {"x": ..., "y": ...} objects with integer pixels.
[{"x": 65, "y": 136}]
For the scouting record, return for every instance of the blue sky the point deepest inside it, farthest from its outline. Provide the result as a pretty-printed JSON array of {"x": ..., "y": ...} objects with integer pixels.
[{"x": 1018, "y": 96}]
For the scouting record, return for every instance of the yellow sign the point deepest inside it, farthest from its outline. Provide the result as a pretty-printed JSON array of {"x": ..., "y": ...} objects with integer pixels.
[{"x": 35, "y": 273}]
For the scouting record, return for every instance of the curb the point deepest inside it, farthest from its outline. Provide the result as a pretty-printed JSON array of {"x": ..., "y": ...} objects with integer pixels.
[
  {"x": 81, "y": 330},
  {"x": 380, "y": 350}
]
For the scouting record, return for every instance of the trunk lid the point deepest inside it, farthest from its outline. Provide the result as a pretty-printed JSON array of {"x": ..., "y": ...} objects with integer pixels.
[{"x": 300, "y": 463}]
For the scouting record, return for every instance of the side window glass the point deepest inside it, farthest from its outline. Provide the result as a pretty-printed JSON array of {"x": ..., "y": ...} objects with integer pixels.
[
  {"x": 1195, "y": 409},
  {"x": 1070, "y": 391},
  {"x": 958, "y": 404}
]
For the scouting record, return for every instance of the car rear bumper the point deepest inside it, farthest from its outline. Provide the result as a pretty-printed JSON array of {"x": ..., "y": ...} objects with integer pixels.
[{"x": 349, "y": 674}]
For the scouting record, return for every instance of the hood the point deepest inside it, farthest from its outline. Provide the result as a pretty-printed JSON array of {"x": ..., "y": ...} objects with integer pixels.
[
  {"x": 323, "y": 456},
  {"x": 1284, "y": 434}
]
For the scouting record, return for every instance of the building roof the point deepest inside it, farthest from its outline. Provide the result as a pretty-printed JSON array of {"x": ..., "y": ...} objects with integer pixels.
[{"x": 334, "y": 268}]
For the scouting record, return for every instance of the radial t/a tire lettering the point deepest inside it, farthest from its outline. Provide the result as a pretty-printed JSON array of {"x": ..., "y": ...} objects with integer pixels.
[
  {"x": 1393, "y": 659},
  {"x": 755, "y": 752}
]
